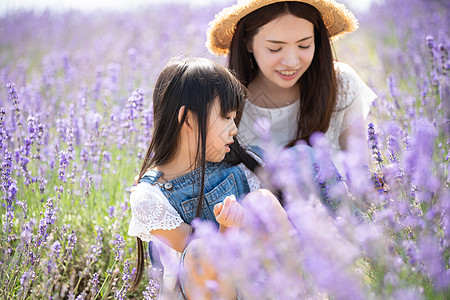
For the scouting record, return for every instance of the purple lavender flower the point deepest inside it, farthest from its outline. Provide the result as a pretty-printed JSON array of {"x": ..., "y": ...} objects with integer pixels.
[
  {"x": 121, "y": 294},
  {"x": 106, "y": 156},
  {"x": 111, "y": 211},
  {"x": 15, "y": 101},
  {"x": 26, "y": 234},
  {"x": 392, "y": 149},
  {"x": 430, "y": 41},
  {"x": 71, "y": 241},
  {"x": 63, "y": 163},
  {"x": 26, "y": 280},
  {"x": 9, "y": 186},
  {"x": 152, "y": 290},
  {"x": 373, "y": 144},
  {"x": 48, "y": 219},
  {"x": 3, "y": 132},
  {"x": 96, "y": 249},
  {"x": 55, "y": 250},
  {"x": 94, "y": 284},
  {"x": 435, "y": 266},
  {"x": 119, "y": 244}
]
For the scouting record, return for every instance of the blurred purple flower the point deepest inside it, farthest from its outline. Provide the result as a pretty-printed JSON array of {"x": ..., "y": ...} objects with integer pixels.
[{"x": 111, "y": 211}]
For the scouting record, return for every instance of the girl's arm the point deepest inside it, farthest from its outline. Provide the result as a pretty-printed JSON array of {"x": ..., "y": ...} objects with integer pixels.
[
  {"x": 229, "y": 213},
  {"x": 175, "y": 238}
]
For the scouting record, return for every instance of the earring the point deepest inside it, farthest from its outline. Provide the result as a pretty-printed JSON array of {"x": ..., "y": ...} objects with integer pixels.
[{"x": 251, "y": 61}]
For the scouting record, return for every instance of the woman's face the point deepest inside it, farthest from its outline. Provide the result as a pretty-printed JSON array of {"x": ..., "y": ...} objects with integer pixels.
[{"x": 283, "y": 49}]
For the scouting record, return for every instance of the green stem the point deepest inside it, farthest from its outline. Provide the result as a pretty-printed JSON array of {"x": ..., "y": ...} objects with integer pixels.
[{"x": 103, "y": 284}]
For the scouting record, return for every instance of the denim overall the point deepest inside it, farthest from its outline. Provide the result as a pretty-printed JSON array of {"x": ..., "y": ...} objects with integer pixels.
[{"x": 221, "y": 180}]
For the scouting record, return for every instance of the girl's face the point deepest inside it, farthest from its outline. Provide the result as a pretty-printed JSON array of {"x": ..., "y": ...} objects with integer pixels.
[
  {"x": 283, "y": 49},
  {"x": 220, "y": 133}
]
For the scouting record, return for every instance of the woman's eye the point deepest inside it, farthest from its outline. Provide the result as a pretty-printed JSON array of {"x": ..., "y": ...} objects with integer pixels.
[
  {"x": 304, "y": 47},
  {"x": 274, "y": 50}
]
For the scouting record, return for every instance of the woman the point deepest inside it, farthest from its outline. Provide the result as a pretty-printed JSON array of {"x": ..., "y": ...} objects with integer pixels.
[{"x": 281, "y": 51}]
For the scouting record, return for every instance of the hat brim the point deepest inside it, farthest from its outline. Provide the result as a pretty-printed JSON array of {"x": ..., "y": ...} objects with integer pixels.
[{"x": 337, "y": 18}]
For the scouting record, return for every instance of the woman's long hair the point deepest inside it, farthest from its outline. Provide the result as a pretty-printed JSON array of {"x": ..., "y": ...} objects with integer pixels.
[
  {"x": 195, "y": 84},
  {"x": 318, "y": 87}
]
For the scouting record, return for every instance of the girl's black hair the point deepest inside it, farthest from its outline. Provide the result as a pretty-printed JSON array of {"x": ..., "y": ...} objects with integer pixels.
[{"x": 193, "y": 83}]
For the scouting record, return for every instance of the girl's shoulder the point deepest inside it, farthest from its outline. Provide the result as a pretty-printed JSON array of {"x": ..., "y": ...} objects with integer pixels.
[
  {"x": 150, "y": 210},
  {"x": 144, "y": 191}
]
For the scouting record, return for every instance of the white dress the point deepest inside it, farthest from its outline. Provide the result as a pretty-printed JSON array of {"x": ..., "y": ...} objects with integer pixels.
[
  {"x": 354, "y": 98},
  {"x": 151, "y": 210}
]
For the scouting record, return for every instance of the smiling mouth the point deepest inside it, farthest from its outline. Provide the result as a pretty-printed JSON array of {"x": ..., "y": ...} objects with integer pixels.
[{"x": 287, "y": 73}]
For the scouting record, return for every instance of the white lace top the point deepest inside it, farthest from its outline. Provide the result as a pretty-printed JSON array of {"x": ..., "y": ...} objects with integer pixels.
[
  {"x": 353, "y": 100},
  {"x": 150, "y": 209}
]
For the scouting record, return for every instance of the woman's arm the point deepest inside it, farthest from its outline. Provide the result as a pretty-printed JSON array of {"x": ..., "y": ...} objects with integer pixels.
[{"x": 355, "y": 131}]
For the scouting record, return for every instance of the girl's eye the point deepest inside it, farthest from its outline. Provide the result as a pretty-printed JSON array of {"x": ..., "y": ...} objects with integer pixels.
[
  {"x": 274, "y": 50},
  {"x": 304, "y": 47},
  {"x": 231, "y": 116}
]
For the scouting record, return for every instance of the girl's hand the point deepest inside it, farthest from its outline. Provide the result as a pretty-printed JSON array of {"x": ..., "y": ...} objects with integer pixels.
[{"x": 229, "y": 213}]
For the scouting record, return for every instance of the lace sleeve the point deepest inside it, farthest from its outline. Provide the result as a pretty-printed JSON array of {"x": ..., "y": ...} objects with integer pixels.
[
  {"x": 253, "y": 181},
  {"x": 150, "y": 210},
  {"x": 354, "y": 96}
]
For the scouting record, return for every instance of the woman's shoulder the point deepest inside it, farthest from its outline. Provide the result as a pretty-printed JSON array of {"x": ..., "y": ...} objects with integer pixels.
[
  {"x": 345, "y": 73},
  {"x": 348, "y": 83},
  {"x": 253, "y": 181}
]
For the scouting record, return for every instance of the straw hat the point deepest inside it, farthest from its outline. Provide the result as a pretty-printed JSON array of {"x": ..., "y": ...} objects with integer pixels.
[{"x": 337, "y": 18}]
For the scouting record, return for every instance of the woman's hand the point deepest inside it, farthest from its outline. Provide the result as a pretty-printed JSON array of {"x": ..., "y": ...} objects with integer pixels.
[{"x": 229, "y": 213}]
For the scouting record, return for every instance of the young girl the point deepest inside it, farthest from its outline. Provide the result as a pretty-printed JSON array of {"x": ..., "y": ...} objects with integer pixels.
[
  {"x": 194, "y": 168},
  {"x": 281, "y": 51}
]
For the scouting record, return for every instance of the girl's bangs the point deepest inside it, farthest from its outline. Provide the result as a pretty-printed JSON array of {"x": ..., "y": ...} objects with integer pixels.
[{"x": 232, "y": 95}]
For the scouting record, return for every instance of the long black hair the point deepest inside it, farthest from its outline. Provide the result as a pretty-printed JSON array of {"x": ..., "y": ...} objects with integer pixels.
[
  {"x": 318, "y": 86},
  {"x": 193, "y": 83}
]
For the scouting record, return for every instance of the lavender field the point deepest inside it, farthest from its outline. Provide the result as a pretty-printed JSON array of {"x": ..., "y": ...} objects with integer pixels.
[{"x": 75, "y": 121}]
